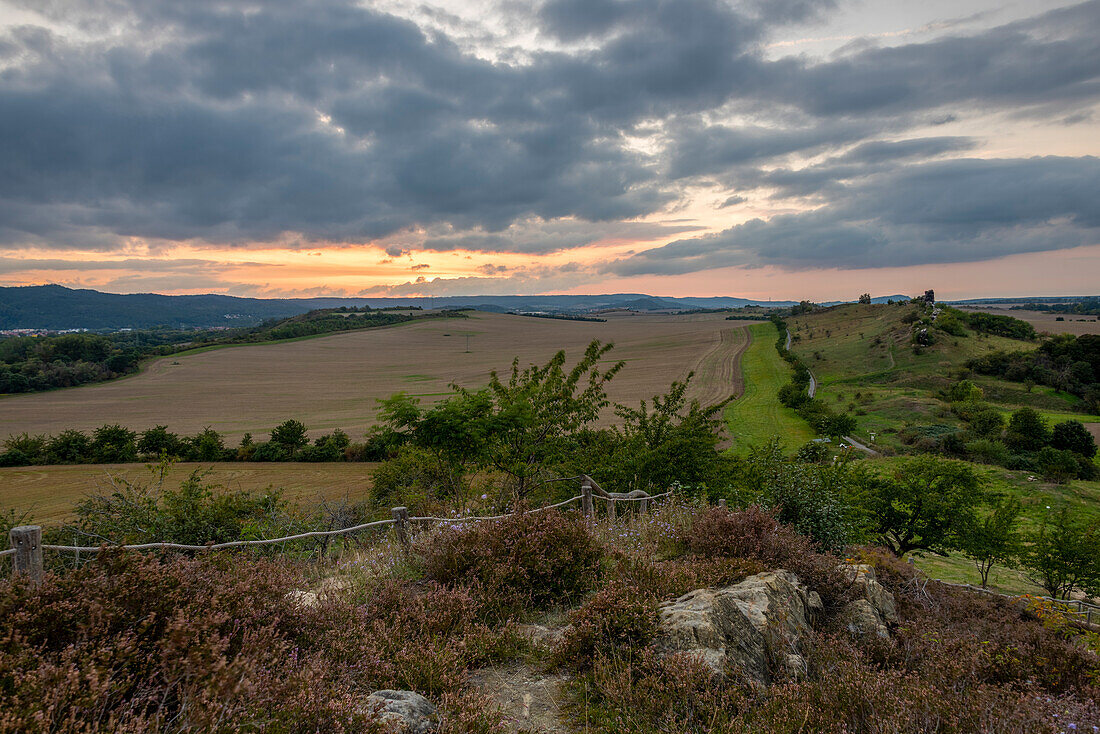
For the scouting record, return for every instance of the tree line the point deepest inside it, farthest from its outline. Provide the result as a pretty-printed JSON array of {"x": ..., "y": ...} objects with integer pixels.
[{"x": 1064, "y": 362}]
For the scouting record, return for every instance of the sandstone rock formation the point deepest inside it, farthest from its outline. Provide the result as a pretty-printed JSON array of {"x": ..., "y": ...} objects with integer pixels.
[
  {"x": 874, "y": 611},
  {"x": 754, "y": 627}
]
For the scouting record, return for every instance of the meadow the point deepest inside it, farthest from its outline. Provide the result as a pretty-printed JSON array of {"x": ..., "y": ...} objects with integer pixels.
[
  {"x": 335, "y": 381},
  {"x": 49, "y": 493}
]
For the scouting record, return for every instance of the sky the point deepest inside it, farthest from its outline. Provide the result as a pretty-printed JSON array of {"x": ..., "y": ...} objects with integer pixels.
[{"x": 780, "y": 149}]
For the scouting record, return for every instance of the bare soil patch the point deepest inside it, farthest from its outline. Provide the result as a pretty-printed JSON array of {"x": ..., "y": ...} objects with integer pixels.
[
  {"x": 335, "y": 381},
  {"x": 531, "y": 700}
]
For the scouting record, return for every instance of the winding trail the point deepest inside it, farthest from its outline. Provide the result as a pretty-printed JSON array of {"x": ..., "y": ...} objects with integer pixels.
[
  {"x": 857, "y": 445},
  {"x": 811, "y": 390}
]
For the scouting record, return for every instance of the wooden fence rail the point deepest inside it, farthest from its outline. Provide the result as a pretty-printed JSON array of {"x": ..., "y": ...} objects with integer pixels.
[{"x": 27, "y": 547}]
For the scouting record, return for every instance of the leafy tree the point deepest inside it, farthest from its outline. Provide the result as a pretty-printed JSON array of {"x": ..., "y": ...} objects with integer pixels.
[
  {"x": 534, "y": 410},
  {"x": 964, "y": 391},
  {"x": 1073, "y": 436},
  {"x": 925, "y": 505},
  {"x": 1056, "y": 465},
  {"x": 68, "y": 447},
  {"x": 865, "y": 298},
  {"x": 827, "y": 502},
  {"x": 840, "y": 424},
  {"x": 113, "y": 444},
  {"x": 987, "y": 423},
  {"x": 27, "y": 448},
  {"x": 206, "y": 446},
  {"x": 1063, "y": 554},
  {"x": 453, "y": 432},
  {"x": 993, "y": 539},
  {"x": 159, "y": 440},
  {"x": 812, "y": 452},
  {"x": 673, "y": 441},
  {"x": 290, "y": 434},
  {"x": 1027, "y": 431}
]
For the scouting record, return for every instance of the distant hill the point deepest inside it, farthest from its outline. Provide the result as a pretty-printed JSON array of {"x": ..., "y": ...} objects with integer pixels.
[{"x": 57, "y": 307}]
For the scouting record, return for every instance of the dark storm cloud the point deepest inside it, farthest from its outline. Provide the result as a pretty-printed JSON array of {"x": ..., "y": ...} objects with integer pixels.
[
  {"x": 1054, "y": 58},
  {"x": 327, "y": 120},
  {"x": 949, "y": 211}
]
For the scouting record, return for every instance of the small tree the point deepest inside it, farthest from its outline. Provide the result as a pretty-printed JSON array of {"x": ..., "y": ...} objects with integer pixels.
[
  {"x": 1063, "y": 554},
  {"x": 673, "y": 441},
  {"x": 1027, "y": 431},
  {"x": 926, "y": 504},
  {"x": 993, "y": 539},
  {"x": 290, "y": 434},
  {"x": 1073, "y": 436},
  {"x": 865, "y": 298},
  {"x": 114, "y": 443},
  {"x": 539, "y": 406}
]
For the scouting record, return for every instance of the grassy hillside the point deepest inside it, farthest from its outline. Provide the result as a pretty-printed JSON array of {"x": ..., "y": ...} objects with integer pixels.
[
  {"x": 757, "y": 415},
  {"x": 866, "y": 363}
]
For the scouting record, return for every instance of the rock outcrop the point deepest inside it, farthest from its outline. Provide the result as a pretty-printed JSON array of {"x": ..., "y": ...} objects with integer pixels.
[
  {"x": 754, "y": 627},
  {"x": 404, "y": 711},
  {"x": 873, "y": 612}
]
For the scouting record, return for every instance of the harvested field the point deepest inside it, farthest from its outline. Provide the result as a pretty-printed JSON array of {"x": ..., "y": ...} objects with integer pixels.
[
  {"x": 1044, "y": 321},
  {"x": 335, "y": 381},
  {"x": 49, "y": 493}
]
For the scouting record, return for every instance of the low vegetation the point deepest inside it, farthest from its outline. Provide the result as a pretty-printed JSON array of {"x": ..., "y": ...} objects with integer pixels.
[{"x": 294, "y": 638}]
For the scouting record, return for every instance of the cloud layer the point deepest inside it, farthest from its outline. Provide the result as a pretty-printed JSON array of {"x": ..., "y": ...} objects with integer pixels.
[{"x": 218, "y": 123}]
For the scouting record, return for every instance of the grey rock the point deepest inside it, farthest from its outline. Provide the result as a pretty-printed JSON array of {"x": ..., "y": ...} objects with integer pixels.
[
  {"x": 740, "y": 628},
  {"x": 404, "y": 711},
  {"x": 874, "y": 611}
]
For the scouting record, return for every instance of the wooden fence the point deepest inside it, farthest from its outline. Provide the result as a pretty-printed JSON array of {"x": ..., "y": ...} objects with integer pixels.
[{"x": 27, "y": 547}]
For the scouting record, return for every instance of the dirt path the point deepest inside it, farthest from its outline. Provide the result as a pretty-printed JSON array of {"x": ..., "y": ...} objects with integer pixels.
[
  {"x": 718, "y": 372},
  {"x": 530, "y": 699}
]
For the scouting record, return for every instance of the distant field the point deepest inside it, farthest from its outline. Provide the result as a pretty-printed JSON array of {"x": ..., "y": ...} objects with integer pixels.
[
  {"x": 49, "y": 493},
  {"x": 335, "y": 381},
  {"x": 758, "y": 415},
  {"x": 1048, "y": 322}
]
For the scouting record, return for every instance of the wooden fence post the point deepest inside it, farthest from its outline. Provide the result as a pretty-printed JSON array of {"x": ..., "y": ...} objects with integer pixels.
[
  {"x": 644, "y": 504},
  {"x": 401, "y": 524},
  {"x": 27, "y": 542},
  {"x": 722, "y": 504},
  {"x": 612, "y": 513},
  {"x": 586, "y": 497}
]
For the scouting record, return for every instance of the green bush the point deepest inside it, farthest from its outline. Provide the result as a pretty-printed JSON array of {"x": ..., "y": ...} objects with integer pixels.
[
  {"x": 412, "y": 479},
  {"x": 196, "y": 513}
]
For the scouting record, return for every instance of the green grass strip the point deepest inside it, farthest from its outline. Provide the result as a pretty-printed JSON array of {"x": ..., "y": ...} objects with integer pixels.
[{"x": 757, "y": 416}]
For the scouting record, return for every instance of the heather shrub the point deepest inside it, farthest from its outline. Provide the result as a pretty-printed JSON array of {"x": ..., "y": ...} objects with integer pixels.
[
  {"x": 846, "y": 692},
  {"x": 525, "y": 561},
  {"x": 649, "y": 692},
  {"x": 422, "y": 637},
  {"x": 616, "y": 618},
  {"x": 673, "y": 578},
  {"x": 755, "y": 534},
  {"x": 131, "y": 643}
]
